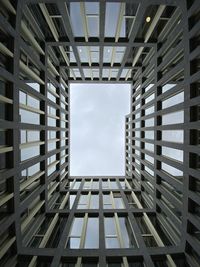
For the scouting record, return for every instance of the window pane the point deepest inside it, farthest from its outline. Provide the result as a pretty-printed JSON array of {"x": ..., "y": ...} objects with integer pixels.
[
  {"x": 83, "y": 202},
  {"x": 87, "y": 185},
  {"x": 76, "y": 20},
  {"x": 172, "y": 153},
  {"x": 171, "y": 170},
  {"x": 174, "y": 100},
  {"x": 105, "y": 184},
  {"x": 119, "y": 204},
  {"x": 95, "y": 185},
  {"x": 109, "y": 226},
  {"x": 173, "y": 118},
  {"x": 71, "y": 200},
  {"x": 107, "y": 202},
  {"x": 77, "y": 227},
  {"x": 76, "y": 185},
  {"x": 73, "y": 242},
  {"x": 92, "y": 233},
  {"x": 126, "y": 232},
  {"x": 94, "y": 202},
  {"x": 173, "y": 136},
  {"x": 112, "y": 242},
  {"x": 113, "y": 185}
]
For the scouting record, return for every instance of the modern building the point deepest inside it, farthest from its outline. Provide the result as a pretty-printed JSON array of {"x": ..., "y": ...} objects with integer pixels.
[{"x": 149, "y": 217}]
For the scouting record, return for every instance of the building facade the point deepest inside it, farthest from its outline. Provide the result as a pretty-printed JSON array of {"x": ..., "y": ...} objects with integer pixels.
[{"x": 149, "y": 217}]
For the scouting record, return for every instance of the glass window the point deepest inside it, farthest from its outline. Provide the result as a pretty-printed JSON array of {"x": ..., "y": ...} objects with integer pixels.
[
  {"x": 83, "y": 202},
  {"x": 126, "y": 233},
  {"x": 71, "y": 200},
  {"x": 173, "y": 136},
  {"x": 76, "y": 185},
  {"x": 149, "y": 122},
  {"x": 112, "y": 12},
  {"x": 171, "y": 170},
  {"x": 174, "y": 100},
  {"x": 29, "y": 117},
  {"x": 149, "y": 134},
  {"x": 167, "y": 87},
  {"x": 110, "y": 233},
  {"x": 113, "y": 185},
  {"x": 119, "y": 204},
  {"x": 173, "y": 118},
  {"x": 149, "y": 87},
  {"x": 93, "y": 24},
  {"x": 87, "y": 185},
  {"x": 107, "y": 204},
  {"x": 149, "y": 110},
  {"x": 95, "y": 185},
  {"x": 107, "y": 55},
  {"x": 94, "y": 51},
  {"x": 92, "y": 233},
  {"x": 30, "y": 152},
  {"x": 148, "y": 170},
  {"x": 105, "y": 184},
  {"x": 35, "y": 86},
  {"x": 33, "y": 102},
  {"x": 83, "y": 53},
  {"x": 173, "y": 153},
  {"x": 149, "y": 98},
  {"x": 123, "y": 185},
  {"x": 94, "y": 202},
  {"x": 75, "y": 15},
  {"x": 123, "y": 237},
  {"x": 75, "y": 235},
  {"x": 149, "y": 146},
  {"x": 119, "y": 53},
  {"x": 149, "y": 158}
]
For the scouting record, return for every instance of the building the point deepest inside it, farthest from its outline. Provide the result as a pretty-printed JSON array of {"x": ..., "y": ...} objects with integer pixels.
[{"x": 151, "y": 216}]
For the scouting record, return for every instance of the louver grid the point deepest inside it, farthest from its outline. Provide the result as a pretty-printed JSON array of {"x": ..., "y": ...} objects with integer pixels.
[{"x": 49, "y": 218}]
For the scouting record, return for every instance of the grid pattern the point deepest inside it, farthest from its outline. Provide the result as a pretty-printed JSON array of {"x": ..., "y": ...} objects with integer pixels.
[{"x": 49, "y": 218}]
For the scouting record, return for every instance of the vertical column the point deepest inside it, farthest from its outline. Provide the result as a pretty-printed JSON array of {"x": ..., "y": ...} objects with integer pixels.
[
  {"x": 16, "y": 130},
  {"x": 43, "y": 132},
  {"x": 102, "y": 259},
  {"x": 187, "y": 111},
  {"x": 158, "y": 122},
  {"x": 142, "y": 125},
  {"x": 58, "y": 124}
]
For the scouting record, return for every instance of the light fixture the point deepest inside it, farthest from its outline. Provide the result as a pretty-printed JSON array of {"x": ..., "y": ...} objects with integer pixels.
[
  {"x": 148, "y": 19},
  {"x": 108, "y": 50}
]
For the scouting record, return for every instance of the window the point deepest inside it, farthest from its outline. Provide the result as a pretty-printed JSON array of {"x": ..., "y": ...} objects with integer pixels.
[
  {"x": 92, "y": 233},
  {"x": 75, "y": 235},
  {"x": 111, "y": 233},
  {"x": 107, "y": 204},
  {"x": 118, "y": 232},
  {"x": 88, "y": 201},
  {"x": 84, "y": 233}
]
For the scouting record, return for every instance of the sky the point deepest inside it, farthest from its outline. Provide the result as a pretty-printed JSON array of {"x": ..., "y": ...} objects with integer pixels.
[{"x": 97, "y": 128}]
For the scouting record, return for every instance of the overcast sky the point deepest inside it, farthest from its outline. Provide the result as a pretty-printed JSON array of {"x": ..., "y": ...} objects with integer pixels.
[{"x": 97, "y": 128}]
